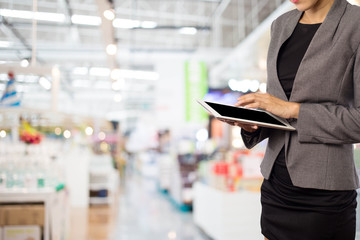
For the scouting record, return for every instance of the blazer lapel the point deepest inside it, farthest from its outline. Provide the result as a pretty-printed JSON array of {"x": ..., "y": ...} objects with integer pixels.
[
  {"x": 276, "y": 88},
  {"x": 322, "y": 40}
]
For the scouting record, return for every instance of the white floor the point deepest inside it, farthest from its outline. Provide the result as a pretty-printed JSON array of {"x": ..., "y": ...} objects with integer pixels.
[{"x": 146, "y": 213}]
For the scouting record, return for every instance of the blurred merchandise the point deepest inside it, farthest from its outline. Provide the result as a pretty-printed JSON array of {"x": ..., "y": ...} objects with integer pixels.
[
  {"x": 232, "y": 171},
  {"x": 103, "y": 179},
  {"x": 30, "y": 167},
  {"x": 22, "y": 233},
  {"x": 28, "y": 134}
]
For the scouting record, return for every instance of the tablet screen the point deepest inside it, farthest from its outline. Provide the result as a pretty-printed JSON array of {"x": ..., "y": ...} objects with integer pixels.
[{"x": 243, "y": 113}]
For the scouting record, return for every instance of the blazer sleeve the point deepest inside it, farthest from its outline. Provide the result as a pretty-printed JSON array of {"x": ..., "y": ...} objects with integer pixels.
[
  {"x": 252, "y": 139},
  {"x": 332, "y": 123}
]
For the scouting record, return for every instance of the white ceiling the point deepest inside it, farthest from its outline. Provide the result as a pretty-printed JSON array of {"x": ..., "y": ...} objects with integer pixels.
[{"x": 220, "y": 25}]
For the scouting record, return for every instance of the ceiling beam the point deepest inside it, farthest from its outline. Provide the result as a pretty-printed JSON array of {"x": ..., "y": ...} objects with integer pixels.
[
  {"x": 217, "y": 23},
  {"x": 107, "y": 30},
  {"x": 167, "y": 15}
]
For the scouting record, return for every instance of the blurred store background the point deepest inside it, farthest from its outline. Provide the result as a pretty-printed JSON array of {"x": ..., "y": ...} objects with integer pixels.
[{"x": 100, "y": 134}]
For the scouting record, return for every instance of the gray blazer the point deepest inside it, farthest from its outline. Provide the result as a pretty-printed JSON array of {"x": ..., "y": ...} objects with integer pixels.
[{"x": 320, "y": 153}]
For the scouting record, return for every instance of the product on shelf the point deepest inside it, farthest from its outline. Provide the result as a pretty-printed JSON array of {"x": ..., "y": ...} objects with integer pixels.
[
  {"x": 22, "y": 232},
  {"x": 29, "y": 167},
  {"x": 232, "y": 170}
]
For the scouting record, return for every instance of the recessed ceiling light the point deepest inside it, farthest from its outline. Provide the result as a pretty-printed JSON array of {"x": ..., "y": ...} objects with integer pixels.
[
  {"x": 45, "y": 83},
  {"x": 188, "y": 30},
  {"x": 41, "y": 16},
  {"x": 111, "y": 49},
  {"x": 109, "y": 14},
  {"x": 86, "y": 20},
  {"x": 24, "y": 63},
  {"x": 126, "y": 23}
]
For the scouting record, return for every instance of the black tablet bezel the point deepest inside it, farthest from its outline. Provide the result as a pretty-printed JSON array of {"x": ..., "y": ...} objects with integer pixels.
[{"x": 215, "y": 113}]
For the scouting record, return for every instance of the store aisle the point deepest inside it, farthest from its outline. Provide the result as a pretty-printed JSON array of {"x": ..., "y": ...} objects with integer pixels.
[{"x": 146, "y": 213}]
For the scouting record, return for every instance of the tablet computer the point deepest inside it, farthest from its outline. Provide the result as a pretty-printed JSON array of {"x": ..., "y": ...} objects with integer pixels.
[{"x": 245, "y": 115}]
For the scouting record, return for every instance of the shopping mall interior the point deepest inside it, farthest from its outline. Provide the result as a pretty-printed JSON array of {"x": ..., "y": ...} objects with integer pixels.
[{"x": 101, "y": 136}]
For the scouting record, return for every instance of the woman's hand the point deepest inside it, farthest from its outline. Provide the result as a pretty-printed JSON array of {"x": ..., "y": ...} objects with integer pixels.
[
  {"x": 246, "y": 127},
  {"x": 269, "y": 103}
]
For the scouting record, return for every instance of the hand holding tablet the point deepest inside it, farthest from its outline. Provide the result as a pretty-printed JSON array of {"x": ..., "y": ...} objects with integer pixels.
[
  {"x": 246, "y": 127},
  {"x": 243, "y": 115}
]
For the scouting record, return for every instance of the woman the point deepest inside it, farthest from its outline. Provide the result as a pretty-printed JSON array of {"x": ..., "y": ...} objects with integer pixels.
[{"x": 309, "y": 190}]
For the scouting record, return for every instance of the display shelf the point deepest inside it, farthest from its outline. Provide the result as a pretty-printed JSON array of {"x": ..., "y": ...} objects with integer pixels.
[
  {"x": 165, "y": 164},
  {"x": 103, "y": 180},
  {"x": 227, "y": 215},
  {"x": 110, "y": 181},
  {"x": 100, "y": 200},
  {"x": 99, "y": 186},
  {"x": 55, "y": 207}
]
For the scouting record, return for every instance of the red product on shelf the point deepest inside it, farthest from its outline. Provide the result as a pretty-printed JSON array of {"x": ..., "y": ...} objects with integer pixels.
[{"x": 221, "y": 168}]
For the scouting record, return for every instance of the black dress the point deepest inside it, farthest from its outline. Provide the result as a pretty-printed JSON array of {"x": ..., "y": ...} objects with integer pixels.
[{"x": 294, "y": 213}]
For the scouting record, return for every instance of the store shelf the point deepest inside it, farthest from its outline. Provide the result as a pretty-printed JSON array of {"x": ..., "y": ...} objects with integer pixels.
[
  {"x": 227, "y": 215},
  {"x": 103, "y": 180},
  {"x": 99, "y": 186},
  {"x": 55, "y": 203},
  {"x": 100, "y": 200}
]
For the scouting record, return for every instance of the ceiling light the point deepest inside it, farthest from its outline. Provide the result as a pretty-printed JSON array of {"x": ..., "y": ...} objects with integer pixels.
[
  {"x": 45, "y": 83},
  {"x": 188, "y": 30},
  {"x": 111, "y": 49},
  {"x": 51, "y": 17},
  {"x": 109, "y": 14},
  {"x": 41, "y": 16},
  {"x": 81, "y": 83},
  {"x": 148, "y": 24},
  {"x": 80, "y": 71},
  {"x": 115, "y": 74},
  {"x": 100, "y": 72},
  {"x": 116, "y": 85},
  {"x": 117, "y": 97},
  {"x": 135, "y": 74},
  {"x": 24, "y": 63},
  {"x": 102, "y": 85},
  {"x": 22, "y": 88},
  {"x": 126, "y": 23},
  {"x": 5, "y": 44},
  {"x": 86, "y": 20},
  {"x": 27, "y": 78},
  {"x": 16, "y": 14}
]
